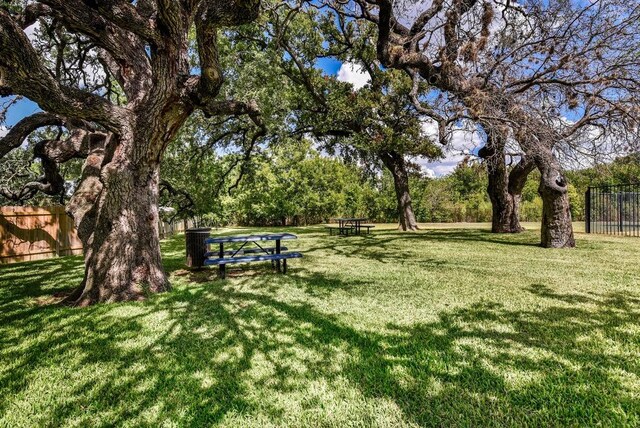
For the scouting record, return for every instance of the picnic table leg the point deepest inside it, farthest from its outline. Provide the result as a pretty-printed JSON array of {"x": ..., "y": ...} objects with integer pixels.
[
  {"x": 278, "y": 252},
  {"x": 221, "y": 267},
  {"x": 284, "y": 266}
]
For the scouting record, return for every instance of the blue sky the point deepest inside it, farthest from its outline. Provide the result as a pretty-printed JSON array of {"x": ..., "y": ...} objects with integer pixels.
[
  {"x": 329, "y": 65},
  {"x": 22, "y": 108}
]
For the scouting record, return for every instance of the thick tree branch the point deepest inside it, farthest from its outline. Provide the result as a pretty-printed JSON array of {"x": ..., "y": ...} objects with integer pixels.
[
  {"x": 31, "y": 13},
  {"x": 21, "y": 130},
  {"x": 230, "y": 13},
  {"x": 22, "y": 71},
  {"x": 235, "y": 108},
  {"x": 211, "y": 74},
  {"x": 125, "y": 15}
]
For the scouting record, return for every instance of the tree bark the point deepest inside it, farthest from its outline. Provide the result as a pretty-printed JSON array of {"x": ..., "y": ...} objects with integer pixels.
[
  {"x": 115, "y": 209},
  {"x": 504, "y": 186},
  {"x": 498, "y": 183},
  {"x": 396, "y": 164},
  {"x": 557, "y": 229},
  {"x": 123, "y": 260}
]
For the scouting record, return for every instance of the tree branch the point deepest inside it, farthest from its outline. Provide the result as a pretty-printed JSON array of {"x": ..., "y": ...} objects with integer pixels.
[
  {"x": 21, "y": 130},
  {"x": 22, "y": 72}
]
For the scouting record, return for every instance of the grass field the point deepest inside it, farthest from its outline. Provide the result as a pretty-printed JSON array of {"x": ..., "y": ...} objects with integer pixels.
[{"x": 444, "y": 327}]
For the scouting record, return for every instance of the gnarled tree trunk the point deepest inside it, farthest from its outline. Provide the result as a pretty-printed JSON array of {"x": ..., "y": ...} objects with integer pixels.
[
  {"x": 396, "y": 164},
  {"x": 498, "y": 183},
  {"x": 538, "y": 142},
  {"x": 122, "y": 249},
  {"x": 504, "y": 187},
  {"x": 557, "y": 229},
  {"x": 116, "y": 212}
]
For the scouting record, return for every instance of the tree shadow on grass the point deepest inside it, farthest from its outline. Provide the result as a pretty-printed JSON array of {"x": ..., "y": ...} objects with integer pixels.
[
  {"x": 215, "y": 350},
  {"x": 383, "y": 244},
  {"x": 210, "y": 351},
  {"x": 481, "y": 235},
  {"x": 388, "y": 246}
]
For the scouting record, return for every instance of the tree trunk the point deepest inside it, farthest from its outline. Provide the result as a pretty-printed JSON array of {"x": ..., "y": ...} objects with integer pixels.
[
  {"x": 557, "y": 229},
  {"x": 517, "y": 180},
  {"x": 504, "y": 209},
  {"x": 121, "y": 238},
  {"x": 115, "y": 209},
  {"x": 504, "y": 218},
  {"x": 504, "y": 187},
  {"x": 396, "y": 164}
]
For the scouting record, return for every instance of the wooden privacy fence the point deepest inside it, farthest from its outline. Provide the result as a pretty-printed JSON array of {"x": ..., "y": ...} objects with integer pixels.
[
  {"x": 35, "y": 233},
  {"x": 169, "y": 229}
]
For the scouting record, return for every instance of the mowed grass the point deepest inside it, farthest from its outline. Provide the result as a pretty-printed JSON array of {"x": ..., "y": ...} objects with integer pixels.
[{"x": 443, "y": 327}]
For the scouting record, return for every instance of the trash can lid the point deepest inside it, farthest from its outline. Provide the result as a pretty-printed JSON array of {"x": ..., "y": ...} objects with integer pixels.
[{"x": 199, "y": 230}]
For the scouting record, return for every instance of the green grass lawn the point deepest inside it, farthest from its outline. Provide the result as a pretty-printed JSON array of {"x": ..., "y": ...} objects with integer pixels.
[{"x": 442, "y": 327}]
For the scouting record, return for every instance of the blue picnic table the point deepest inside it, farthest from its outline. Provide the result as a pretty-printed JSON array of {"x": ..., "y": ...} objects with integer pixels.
[
  {"x": 255, "y": 253},
  {"x": 347, "y": 226}
]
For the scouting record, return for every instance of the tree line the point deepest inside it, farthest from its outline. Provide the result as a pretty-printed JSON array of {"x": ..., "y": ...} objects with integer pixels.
[{"x": 296, "y": 185}]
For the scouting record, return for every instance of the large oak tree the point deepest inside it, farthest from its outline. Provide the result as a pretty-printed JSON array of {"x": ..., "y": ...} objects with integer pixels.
[
  {"x": 376, "y": 124},
  {"x": 155, "y": 77}
]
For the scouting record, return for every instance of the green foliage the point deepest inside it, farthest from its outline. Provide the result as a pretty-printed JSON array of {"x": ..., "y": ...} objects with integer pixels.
[
  {"x": 296, "y": 186},
  {"x": 294, "y": 183},
  {"x": 18, "y": 168}
]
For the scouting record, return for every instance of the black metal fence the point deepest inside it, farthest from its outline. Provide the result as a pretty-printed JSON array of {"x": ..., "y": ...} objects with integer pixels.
[{"x": 613, "y": 210}]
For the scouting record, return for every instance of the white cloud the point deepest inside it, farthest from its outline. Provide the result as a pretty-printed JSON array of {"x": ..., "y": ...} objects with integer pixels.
[
  {"x": 3, "y": 131},
  {"x": 439, "y": 168},
  {"x": 354, "y": 74},
  {"x": 428, "y": 172},
  {"x": 32, "y": 30}
]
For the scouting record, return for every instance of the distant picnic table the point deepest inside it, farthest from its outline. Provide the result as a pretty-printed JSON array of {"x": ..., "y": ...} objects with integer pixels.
[
  {"x": 275, "y": 254},
  {"x": 350, "y": 226}
]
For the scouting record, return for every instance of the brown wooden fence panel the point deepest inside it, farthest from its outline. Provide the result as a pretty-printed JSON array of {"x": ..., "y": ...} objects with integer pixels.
[
  {"x": 34, "y": 233},
  {"x": 167, "y": 229}
]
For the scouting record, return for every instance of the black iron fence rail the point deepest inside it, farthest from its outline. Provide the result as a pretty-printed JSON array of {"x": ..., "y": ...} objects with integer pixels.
[{"x": 613, "y": 210}]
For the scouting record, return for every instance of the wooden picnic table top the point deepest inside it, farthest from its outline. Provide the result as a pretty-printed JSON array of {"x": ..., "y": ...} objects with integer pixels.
[{"x": 252, "y": 238}]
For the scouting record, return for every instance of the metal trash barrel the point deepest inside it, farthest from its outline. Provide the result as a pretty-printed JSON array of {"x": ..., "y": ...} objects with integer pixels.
[{"x": 196, "y": 248}]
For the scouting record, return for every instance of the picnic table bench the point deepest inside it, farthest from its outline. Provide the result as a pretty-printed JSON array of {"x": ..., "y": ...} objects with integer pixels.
[
  {"x": 223, "y": 257},
  {"x": 350, "y": 226}
]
